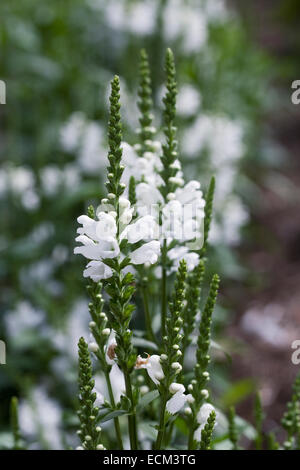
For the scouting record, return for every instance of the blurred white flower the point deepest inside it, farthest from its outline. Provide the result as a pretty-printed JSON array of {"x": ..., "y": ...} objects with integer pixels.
[
  {"x": 221, "y": 136},
  {"x": 84, "y": 138},
  {"x": 187, "y": 22},
  {"x": 267, "y": 323},
  {"x": 24, "y": 317},
  {"x": 54, "y": 179},
  {"x": 141, "y": 17},
  {"x": 40, "y": 418},
  {"x": 20, "y": 182},
  {"x": 188, "y": 100},
  {"x": 91, "y": 154},
  {"x": 71, "y": 132},
  {"x": 138, "y": 18}
]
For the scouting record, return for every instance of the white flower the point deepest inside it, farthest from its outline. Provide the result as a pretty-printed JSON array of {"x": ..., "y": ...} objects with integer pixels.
[
  {"x": 178, "y": 400},
  {"x": 97, "y": 251},
  {"x": 202, "y": 417},
  {"x": 70, "y": 133},
  {"x": 145, "y": 228},
  {"x": 188, "y": 100},
  {"x": 97, "y": 270},
  {"x": 110, "y": 348},
  {"x": 147, "y": 253},
  {"x": 99, "y": 239},
  {"x": 91, "y": 157},
  {"x": 187, "y": 22},
  {"x": 153, "y": 366},
  {"x": 182, "y": 252},
  {"x": 148, "y": 199}
]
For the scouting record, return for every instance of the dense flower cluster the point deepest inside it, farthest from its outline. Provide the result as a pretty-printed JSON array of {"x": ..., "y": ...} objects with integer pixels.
[{"x": 101, "y": 239}]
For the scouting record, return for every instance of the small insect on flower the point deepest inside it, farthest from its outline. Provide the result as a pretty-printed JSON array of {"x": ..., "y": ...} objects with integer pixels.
[{"x": 111, "y": 351}]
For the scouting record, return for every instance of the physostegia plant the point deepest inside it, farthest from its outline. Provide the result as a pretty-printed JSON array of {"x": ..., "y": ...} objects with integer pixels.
[{"x": 145, "y": 245}]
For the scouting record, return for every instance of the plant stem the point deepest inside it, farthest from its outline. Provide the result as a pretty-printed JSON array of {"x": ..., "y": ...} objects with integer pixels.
[
  {"x": 164, "y": 290},
  {"x": 191, "y": 439},
  {"x": 148, "y": 322},
  {"x": 131, "y": 417},
  {"x": 161, "y": 430},
  {"x": 116, "y": 420}
]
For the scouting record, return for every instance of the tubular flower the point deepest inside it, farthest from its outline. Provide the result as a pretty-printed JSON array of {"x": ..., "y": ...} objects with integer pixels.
[
  {"x": 153, "y": 366},
  {"x": 178, "y": 399},
  {"x": 99, "y": 240},
  {"x": 182, "y": 218}
]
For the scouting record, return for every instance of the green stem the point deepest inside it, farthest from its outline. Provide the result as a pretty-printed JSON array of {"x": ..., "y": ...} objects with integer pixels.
[
  {"x": 148, "y": 322},
  {"x": 131, "y": 417},
  {"x": 164, "y": 290},
  {"x": 161, "y": 430},
  {"x": 116, "y": 420},
  {"x": 191, "y": 439}
]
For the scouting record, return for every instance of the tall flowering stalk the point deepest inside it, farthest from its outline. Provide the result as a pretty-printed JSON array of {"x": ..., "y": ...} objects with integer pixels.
[
  {"x": 168, "y": 171},
  {"x": 201, "y": 374},
  {"x": 171, "y": 356},
  {"x": 120, "y": 286},
  {"x": 89, "y": 431},
  {"x": 121, "y": 243}
]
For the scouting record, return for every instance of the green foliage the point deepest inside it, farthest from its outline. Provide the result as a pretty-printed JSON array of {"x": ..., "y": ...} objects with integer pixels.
[
  {"x": 115, "y": 169},
  {"x": 172, "y": 342},
  {"x": 202, "y": 354},
  {"x": 14, "y": 421},
  {"x": 193, "y": 292},
  {"x": 131, "y": 191},
  {"x": 145, "y": 103},
  {"x": 232, "y": 429},
  {"x": 272, "y": 442},
  {"x": 208, "y": 211},
  {"x": 259, "y": 418},
  {"x": 170, "y": 147}
]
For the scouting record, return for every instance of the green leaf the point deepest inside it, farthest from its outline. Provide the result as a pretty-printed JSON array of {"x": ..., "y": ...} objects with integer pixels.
[
  {"x": 144, "y": 343},
  {"x": 238, "y": 392},
  {"x": 112, "y": 414},
  {"x": 147, "y": 398}
]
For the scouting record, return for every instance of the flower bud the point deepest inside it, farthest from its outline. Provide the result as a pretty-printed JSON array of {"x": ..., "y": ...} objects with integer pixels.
[{"x": 93, "y": 347}]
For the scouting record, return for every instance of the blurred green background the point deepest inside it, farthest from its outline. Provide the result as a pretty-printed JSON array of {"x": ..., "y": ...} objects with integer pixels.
[{"x": 235, "y": 65}]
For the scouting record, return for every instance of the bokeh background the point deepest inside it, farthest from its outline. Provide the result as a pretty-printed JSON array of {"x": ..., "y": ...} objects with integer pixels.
[{"x": 236, "y": 62}]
